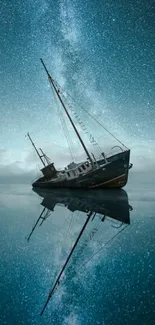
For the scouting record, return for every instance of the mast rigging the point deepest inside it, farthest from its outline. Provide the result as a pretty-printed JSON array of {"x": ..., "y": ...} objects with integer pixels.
[
  {"x": 36, "y": 149},
  {"x": 99, "y": 123},
  {"x": 67, "y": 260},
  {"x": 68, "y": 115}
]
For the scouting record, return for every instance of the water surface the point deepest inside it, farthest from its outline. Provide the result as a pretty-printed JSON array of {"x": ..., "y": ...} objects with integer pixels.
[{"x": 111, "y": 274}]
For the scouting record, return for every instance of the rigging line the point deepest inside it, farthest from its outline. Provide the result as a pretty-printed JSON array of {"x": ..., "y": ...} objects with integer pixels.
[
  {"x": 104, "y": 245},
  {"x": 84, "y": 128},
  {"x": 91, "y": 139},
  {"x": 96, "y": 120},
  {"x": 64, "y": 237},
  {"x": 99, "y": 236},
  {"x": 47, "y": 214},
  {"x": 28, "y": 238},
  {"x": 104, "y": 127},
  {"x": 95, "y": 226},
  {"x": 88, "y": 238},
  {"x": 67, "y": 136},
  {"x": 67, "y": 114},
  {"x": 95, "y": 231},
  {"x": 69, "y": 227},
  {"x": 65, "y": 221},
  {"x": 65, "y": 264},
  {"x": 65, "y": 130},
  {"x": 94, "y": 234},
  {"x": 98, "y": 232},
  {"x": 64, "y": 127},
  {"x": 70, "y": 142}
]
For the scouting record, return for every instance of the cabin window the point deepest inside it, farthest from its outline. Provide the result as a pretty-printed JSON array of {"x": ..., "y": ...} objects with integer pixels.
[
  {"x": 68, "y": 174},
  {"x": 79, "y": 169},
  {"x": 83, "y": 166},
  {"x": 74, "y": 173}
]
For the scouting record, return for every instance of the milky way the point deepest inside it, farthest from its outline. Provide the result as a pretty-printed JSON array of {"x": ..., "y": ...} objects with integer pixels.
[{"x": 102, "y": 52}]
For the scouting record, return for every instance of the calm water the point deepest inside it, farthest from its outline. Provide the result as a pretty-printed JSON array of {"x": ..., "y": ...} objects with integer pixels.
[{"x": 110, "y": 278}]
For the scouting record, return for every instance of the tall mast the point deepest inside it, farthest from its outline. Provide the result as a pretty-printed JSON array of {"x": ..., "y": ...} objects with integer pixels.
[
  {"x": 45, "y": 156},
  {"x": 36, "y": 149},
  {"x": 67, "y": 260},
  {"x": 28, "y": 238},
  {"x": 68, "y": 115}
]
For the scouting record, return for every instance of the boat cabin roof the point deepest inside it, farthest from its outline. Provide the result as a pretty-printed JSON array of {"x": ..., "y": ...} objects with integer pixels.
[{"x": 72, "y": 167}]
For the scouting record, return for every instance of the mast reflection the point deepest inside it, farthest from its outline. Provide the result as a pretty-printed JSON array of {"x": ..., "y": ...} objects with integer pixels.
[{"x": 111, "y": 205}]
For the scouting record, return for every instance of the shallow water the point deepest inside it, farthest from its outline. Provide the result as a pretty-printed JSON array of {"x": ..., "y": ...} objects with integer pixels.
[{"x": 111, "y": 274}]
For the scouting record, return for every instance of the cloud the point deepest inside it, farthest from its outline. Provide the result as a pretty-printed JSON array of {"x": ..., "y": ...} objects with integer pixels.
[
  {"x": 27, "y": 167},
  {"x": 13, "y": 174},
  {"x": 17, "y": 166}
]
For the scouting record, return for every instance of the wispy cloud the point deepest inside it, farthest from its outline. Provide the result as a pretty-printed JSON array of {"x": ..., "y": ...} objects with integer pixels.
[{"x": 28, "y": 165}]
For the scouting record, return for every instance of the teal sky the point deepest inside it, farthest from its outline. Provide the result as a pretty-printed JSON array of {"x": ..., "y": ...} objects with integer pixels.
[{"x": 101, "y": 52}]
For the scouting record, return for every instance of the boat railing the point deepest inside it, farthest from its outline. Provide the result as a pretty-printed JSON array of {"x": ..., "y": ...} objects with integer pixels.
[
  {"x": 114, "y": 150},
  {"x": 36, "y": 178}
]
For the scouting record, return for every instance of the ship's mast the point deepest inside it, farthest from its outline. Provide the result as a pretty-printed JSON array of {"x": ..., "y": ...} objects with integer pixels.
[
  {"x": 36, "y": 149},
  {"x": 67, "y": 260},
  {"x": 45, "y": 156},
  {"x": 68, "y": 115},
  {"x": 40, "y": 217}
]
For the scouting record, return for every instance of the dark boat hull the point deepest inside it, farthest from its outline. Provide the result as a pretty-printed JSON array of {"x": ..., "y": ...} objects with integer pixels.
[{"x": 114, "y": 174}]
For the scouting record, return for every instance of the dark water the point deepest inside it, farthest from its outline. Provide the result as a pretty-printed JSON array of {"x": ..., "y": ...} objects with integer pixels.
[{"x": 110, "y": 278}]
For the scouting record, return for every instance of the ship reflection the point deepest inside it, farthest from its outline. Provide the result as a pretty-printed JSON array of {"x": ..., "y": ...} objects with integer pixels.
[
  {"x": 107, "y": 203},
  {"x": 111, "y": 205}
]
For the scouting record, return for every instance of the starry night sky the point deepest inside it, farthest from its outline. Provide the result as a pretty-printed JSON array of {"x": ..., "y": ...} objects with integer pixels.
[{"x": 101, "y": 52}]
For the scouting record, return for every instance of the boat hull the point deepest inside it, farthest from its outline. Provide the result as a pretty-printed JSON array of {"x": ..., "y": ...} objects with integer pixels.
[{"x": 112, "y": 175}]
